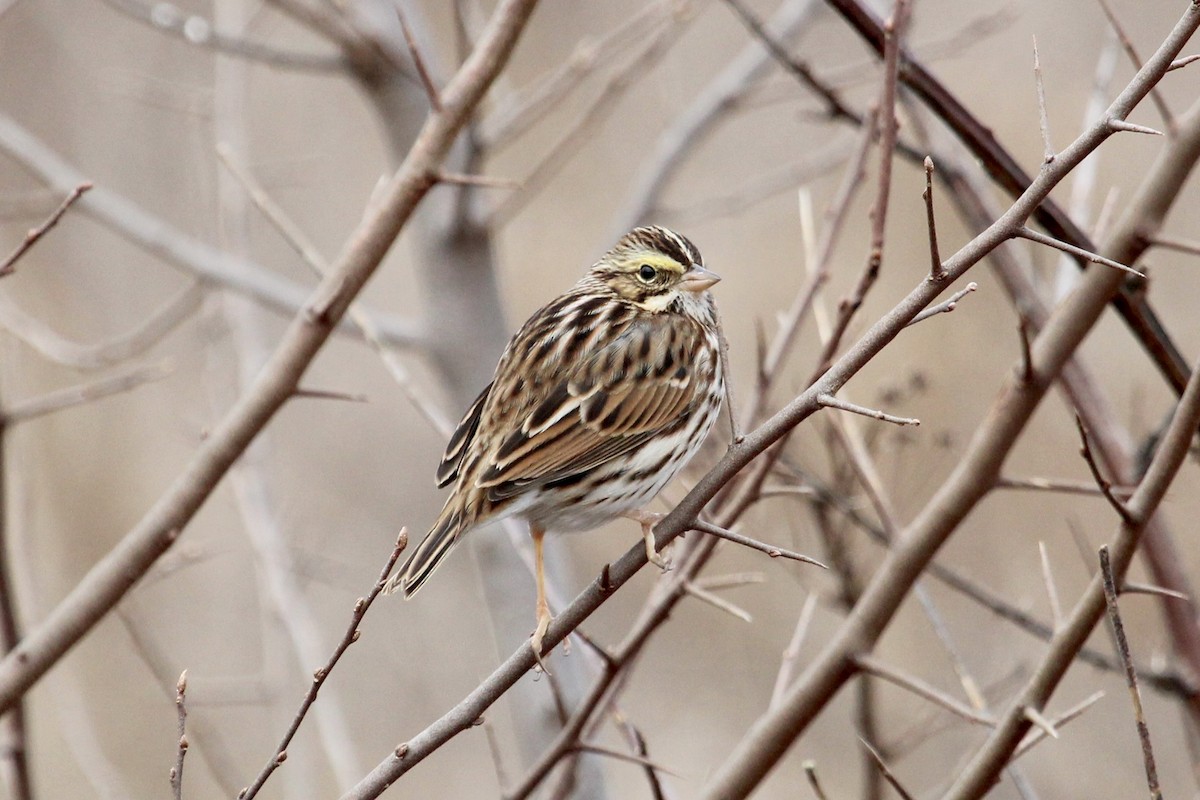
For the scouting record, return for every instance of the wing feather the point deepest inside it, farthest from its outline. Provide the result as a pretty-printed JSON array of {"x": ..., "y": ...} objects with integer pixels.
[
  {"x": 601, "y": 408},
  {"x": 460, "y": 440}
]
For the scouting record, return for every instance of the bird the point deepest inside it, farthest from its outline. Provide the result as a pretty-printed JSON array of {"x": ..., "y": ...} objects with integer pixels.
[{"x": 598, "y": 401}]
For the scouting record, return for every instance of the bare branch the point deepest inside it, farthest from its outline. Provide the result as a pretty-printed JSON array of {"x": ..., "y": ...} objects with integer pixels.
[
  {"x": 182, "y": 747},
  {"x": 31, "y": 238},
  {"x": 753, "y": 544},
  {"x": 1057, "y": 485},
  {"x": 1177, "y": 243},
  {"x": 810, "y": 772},
  {"x": 1132, "y": 587},
  {"x": 936, "y": 273},
  {"x": 112, "y": 577},
  {"x": 717, "y": 602},
  {"x": 792, "y": 653},
  {"x": 887, "y": 773},
  {"x": 1058, "y": 723},
  {"x": 167, "y": 242},
  {"x": 1180, "y": 63},
  {"x": 829, "y": 401},
  {"x": 1051, "y": 590},
  {"x": 1105, "y": 487},
  {"x": 123, "y": 381},
  {"x": 431, "y": 92},
  {"x": 361, "y": 606},
  {"x": 1139, "y": 716},
  {"x": 1050, "y": 241},
  {"x": 1127, "y": 45},
  {"x": 946, "y": 306},
  {"x": 873, "y": 666},
  {"x": 57, "y": 348},
  {"x": 198, "y": 31},
  {"x": 1043, "y": 119}
]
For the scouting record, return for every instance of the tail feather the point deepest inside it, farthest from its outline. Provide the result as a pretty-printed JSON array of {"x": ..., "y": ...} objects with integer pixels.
[{"x": 436, "y": 545}]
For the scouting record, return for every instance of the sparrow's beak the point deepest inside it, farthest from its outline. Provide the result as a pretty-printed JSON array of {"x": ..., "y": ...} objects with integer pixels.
[{"x": 697, "y": 279}]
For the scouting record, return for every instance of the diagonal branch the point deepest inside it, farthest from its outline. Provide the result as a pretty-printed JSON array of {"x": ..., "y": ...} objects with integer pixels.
[{"x": 109, "y": 580}]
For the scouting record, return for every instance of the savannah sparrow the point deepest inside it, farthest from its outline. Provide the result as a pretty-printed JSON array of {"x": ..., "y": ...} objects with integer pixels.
[{"x": 597, "y": 403}]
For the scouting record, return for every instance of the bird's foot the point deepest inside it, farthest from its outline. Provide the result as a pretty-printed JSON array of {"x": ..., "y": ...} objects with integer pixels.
[
  {"x": 539, "y": 633},
  {"x": 648, "y": 519}
]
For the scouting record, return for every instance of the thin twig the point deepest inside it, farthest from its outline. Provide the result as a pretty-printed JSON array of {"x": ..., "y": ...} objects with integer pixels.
[
  {"x": 483, "y": 181},
  {"x": 181, "y": 751},
  {"x": 1041, "y": 238},
  {"x": 72, "y": 396},
  {"x": 1026, "y": 352},
  {"x": 586, "y": 747},
  {"x": 946, "y": 306},
  {"x": 1039, "y": 721},
  {"x": 936, "y": 272},
  {"x": 788, "y": 663},
  {"x": 1139, "y": 716},
  {"x": 1181, "y": 245},
  {"x": 1105, "y": 487},
  {"x": 717, "y": 602},
  {"x": 1057, "y": 485},
  {"x": 31, "y": 238},
  {"x": 1051, "y": 590},
  {"x": 754, "y": 544},
  {"x": 361, "y": 607},
  {"x": 1127, "y": 45},
  {"x": 1180, "y": 63},
  {"x": 893, "y": 31},
  {"x": 1043, "y": 118},
  {"x": 810, "y": 772},
  {"x": 887, "y": 773},
  {"x": 1132, "y": 587},
  {"x": 829, "y": 401},
  {"x": 873, "y": 666},
  {"x": 435, "y": 101},
  {"x": 330, "y": 394},
  {"x": 1058, "y": 723},
  {"x": 365, "y": 323}
]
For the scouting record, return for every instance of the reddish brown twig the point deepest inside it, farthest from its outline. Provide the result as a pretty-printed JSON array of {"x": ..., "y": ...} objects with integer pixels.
[
  {"x": 31, "y": 238},
  {"x": 321, "y": 675}
]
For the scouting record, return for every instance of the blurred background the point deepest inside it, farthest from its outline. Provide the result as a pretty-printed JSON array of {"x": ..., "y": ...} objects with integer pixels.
[{"x": 144, "y": 98}]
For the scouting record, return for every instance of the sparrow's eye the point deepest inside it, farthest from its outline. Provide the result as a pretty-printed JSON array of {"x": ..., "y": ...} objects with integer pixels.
[{"x": 647, "y": 273}]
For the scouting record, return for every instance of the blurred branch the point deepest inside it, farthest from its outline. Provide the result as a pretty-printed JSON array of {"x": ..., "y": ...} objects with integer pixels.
[
  {"x": 118, "y": 571},
  {"x": 1148, "y": 209},
  {"x": 771, "y": 735},
  {"x": 980, "y": 773},
  {"x": 14, "y": 738},
  {"x": 624, "y": 76},
  {"x": 156, "y": 236},
  {"x": 299, "y": 241},
  {"x": 1007, "y": 173},
  {"x": 123, "y": 381},
  {"x": 57, "y": 348},
  {"x": 768, "y": 741},
  {"x": 195, "y": 30},
  {"x": 516, "y": 114},
  {"x": 31, "y": 238},
  {"x": 361, "y": 606},
  {"x": 691, "y": 127}
]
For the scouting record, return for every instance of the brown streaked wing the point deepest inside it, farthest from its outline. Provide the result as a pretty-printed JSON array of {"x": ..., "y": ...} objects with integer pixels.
[
  {"x": 460, "y": 440},
  {"x": 622, "y": 395}
]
